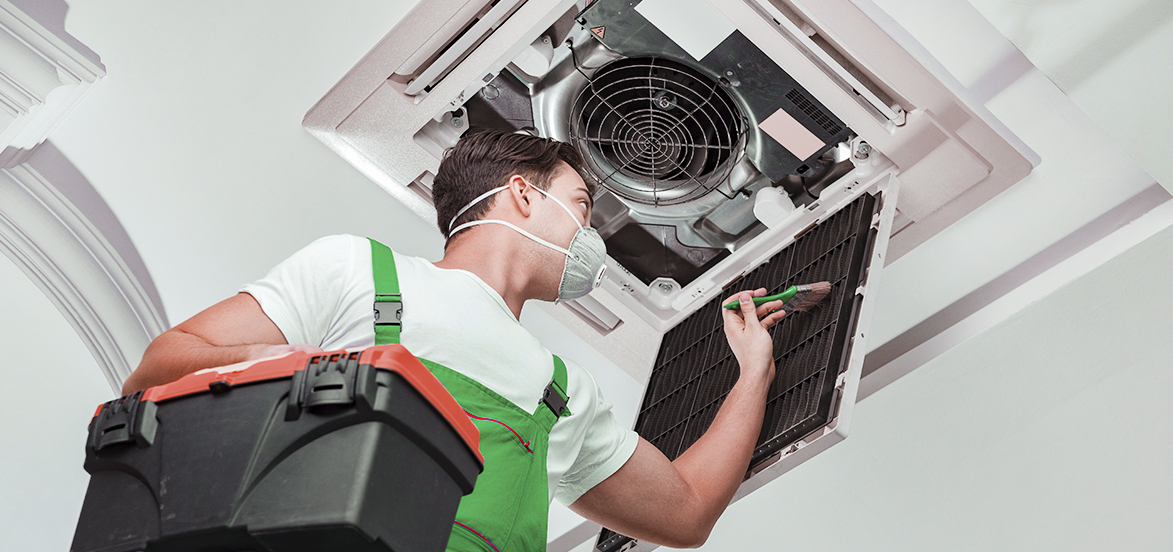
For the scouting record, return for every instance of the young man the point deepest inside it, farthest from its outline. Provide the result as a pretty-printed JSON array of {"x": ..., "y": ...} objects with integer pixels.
[{"x": 516, "y": 212}]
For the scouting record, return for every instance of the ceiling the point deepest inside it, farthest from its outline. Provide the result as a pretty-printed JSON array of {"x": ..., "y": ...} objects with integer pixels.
[{"x": 1033, "y": 418}]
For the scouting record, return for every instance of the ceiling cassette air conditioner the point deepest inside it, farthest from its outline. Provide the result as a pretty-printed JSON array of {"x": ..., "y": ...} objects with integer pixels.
[{"x": 738, "y": 143}]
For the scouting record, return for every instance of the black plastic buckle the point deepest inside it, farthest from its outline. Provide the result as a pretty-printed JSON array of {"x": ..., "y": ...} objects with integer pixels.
[
  {"x": 554, "y": 400},
  {"x": 388, "y": 310},
  {"x": 331, "y": 380},
  {"x": 125, "y": 420}
]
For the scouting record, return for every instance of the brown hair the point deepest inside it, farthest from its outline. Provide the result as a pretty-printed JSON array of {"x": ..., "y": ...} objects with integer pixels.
[{"x": 487, "y": 159}]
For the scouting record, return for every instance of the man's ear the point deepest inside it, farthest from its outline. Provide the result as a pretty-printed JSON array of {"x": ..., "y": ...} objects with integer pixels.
[{"x": 519, "y": 194}]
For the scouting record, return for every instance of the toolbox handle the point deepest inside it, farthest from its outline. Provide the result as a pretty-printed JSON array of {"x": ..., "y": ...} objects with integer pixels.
[
  {"x": 127, "y": 419},
  {"x": 335, "y": 379}
]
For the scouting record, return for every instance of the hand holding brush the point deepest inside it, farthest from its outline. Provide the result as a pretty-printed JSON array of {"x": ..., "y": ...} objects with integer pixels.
[{"x": 795, "y": 298}]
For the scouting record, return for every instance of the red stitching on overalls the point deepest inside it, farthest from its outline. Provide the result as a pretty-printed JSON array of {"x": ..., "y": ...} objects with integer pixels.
[
  {"x": 477, "y": 534},
  {"x": 524, "y": 443}
]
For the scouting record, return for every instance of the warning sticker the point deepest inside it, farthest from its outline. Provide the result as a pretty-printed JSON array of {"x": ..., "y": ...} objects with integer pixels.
[{"x": 599, "y": 31}]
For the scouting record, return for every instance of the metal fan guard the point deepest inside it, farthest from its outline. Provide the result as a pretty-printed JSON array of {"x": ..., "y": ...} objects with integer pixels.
[{"x": 656, "y": 131}]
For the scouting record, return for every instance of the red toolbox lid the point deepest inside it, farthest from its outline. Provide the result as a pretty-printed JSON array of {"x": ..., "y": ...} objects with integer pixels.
[{"x": 394, "y": 358}]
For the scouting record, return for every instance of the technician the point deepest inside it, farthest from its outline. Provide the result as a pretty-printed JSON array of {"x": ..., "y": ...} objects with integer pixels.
[{"x": 516, "y": 213}]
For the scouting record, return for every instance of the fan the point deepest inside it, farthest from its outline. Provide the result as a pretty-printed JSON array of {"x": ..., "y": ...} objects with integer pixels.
[{"x": 656, "y": 131}]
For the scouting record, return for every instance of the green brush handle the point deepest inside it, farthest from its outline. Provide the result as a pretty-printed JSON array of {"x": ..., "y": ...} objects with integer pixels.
[{"x": 759, "y": 301}]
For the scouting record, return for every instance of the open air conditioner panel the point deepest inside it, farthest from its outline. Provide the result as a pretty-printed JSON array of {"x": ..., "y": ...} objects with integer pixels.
[
  {"x": 680, "y": 146},
  {"x": 661, "y": 132}
]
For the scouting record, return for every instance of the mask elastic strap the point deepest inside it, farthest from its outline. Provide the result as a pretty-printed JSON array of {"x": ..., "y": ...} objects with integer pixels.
[
  {"x": 513, "y": 226},
  {"x": 479, "y": 199},
  {"x": 560, "y": 204}
]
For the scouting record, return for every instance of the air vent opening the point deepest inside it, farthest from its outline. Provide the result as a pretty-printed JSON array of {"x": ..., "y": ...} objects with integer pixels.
[{"x": 657, "y": 132}]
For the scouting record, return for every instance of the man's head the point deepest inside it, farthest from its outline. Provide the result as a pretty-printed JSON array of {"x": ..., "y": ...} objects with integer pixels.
[{"x": 485, "y": 160}]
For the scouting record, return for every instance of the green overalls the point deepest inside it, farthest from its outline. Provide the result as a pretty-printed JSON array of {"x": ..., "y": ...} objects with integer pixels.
[{"x": 509, "y": 506}]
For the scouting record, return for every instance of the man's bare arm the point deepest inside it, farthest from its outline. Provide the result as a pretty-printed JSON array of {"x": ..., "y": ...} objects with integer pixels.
[
  {"x": 233, "y": 330},
  {"x": 677, "y": 503}
]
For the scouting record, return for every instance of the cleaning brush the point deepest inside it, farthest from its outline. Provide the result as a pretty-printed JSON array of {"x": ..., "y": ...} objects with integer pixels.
[{"x": 795, "y": 298}]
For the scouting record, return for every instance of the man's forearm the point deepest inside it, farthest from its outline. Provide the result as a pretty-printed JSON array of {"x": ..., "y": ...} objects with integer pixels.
[
  {"x": 175, "y": 354},
  {"x": 231, "y": 331},
  {"x": 677, "y": 503},
  {"x": 716, "y": 464}
]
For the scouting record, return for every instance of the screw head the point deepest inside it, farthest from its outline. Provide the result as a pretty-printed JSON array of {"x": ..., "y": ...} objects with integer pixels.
[
  {"x": 666, "y": 287},
  {"x": 664, "y": 100},
  {"x": 457, "y": 122}
]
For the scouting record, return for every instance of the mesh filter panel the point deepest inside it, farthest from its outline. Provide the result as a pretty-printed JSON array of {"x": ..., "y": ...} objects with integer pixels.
[{"x": 695, "y": 368}]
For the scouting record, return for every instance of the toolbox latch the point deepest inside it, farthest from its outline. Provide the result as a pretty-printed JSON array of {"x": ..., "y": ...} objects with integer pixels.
[
  {"x": 330, "y": 380},
  {"x": 124, "y": 420}
]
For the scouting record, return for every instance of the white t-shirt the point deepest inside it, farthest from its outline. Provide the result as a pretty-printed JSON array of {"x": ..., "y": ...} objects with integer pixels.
[{"x": 324, "y": 294}]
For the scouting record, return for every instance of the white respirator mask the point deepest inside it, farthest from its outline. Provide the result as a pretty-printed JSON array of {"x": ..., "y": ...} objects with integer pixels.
[{"x": 584, "y": 267}]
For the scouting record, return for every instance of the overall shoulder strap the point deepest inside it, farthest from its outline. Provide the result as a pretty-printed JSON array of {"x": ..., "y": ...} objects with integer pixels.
[
  {"x": 388, "y": 303},
  {"x": 555, "y": 397}
]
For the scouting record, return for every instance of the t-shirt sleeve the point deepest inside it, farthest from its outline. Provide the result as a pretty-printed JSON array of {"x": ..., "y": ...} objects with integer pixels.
[
  {"x": 592, "y": 448},
  {"x": 303, "y": 293}
]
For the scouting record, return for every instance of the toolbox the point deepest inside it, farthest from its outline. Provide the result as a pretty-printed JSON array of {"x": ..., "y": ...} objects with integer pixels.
[{"x": 349, "y": 451}]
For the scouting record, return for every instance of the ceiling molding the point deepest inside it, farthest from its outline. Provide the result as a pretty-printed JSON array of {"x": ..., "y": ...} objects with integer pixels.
[
  {"x": 60, "y": 232},
  {"x": 44, "y": 73}
]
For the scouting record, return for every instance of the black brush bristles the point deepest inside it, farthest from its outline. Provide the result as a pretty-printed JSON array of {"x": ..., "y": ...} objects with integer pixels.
[{"x": 807, "y": 297}]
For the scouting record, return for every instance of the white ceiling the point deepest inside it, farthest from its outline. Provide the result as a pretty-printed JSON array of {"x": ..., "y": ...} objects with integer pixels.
[{"x": 1045, "y": 428}]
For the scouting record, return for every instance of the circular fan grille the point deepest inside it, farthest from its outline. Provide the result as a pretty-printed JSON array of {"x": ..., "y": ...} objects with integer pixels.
[{"x": 656, "y": 131}]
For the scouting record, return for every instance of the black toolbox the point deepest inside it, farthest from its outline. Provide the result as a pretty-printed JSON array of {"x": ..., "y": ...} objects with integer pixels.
[{"x": 341, "y": 451}]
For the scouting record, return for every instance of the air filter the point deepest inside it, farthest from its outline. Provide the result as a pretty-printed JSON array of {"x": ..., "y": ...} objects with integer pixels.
[{"x": 695, "y": 369}]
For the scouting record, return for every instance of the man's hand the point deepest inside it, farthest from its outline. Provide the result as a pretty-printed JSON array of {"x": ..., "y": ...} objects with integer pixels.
[
  {"x": 677, "y": 503},
  {"x": 748, "y": 335}
]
